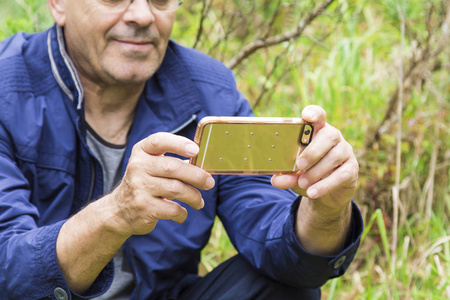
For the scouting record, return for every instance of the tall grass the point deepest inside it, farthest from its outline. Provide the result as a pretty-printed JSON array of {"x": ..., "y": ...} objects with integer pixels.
[
  {"x": 347, "y": 62},
  {"x": 352, "y": 75},
  {"x": 23, "y": 15}
]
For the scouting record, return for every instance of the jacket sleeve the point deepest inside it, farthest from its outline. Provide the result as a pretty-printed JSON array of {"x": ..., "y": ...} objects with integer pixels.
[
  {"x": 30, "y": 268},
  {"x": 260, "y": 220}
]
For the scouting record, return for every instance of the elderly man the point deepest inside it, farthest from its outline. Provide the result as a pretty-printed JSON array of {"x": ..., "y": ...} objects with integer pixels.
[{"x": 97, "y": 116}]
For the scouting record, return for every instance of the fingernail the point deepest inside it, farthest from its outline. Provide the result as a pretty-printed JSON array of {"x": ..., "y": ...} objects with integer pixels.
[
  {"x": 312, "y": 193},
  {"x": 192, "y": 149},
  {"x": 303, "y": 183},
  {"x": 310, "y": 115},
  {"x": 302, "y": 164},
  {"x": 202, "y": 204},
  {"x": 210, "y": 182}
]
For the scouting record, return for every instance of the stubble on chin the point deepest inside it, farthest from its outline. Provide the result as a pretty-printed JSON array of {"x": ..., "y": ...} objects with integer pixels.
[
  {"x": 128, "y": 67},
  {"x": 132, "y": 70}
]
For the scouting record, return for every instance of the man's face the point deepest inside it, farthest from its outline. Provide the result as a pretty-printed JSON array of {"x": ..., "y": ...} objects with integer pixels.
[{"x": 111, "y": 45}]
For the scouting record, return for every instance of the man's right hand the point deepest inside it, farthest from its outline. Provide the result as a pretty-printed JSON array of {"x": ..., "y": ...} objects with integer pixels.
[
  {"x": 144, "y": 196},
  {"x": 152, "y": 181}
]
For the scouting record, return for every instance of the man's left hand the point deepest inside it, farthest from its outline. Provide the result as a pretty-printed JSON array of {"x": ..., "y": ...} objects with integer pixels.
[
  {"x": 329, "y": 169},
  {"x": 329, "y": 173}
]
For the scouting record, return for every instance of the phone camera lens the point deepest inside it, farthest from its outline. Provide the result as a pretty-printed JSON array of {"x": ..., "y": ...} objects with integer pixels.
[{"x": 307, "y": 132}]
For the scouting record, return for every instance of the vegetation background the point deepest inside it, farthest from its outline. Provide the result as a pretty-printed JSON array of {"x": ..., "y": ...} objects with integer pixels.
[{"x": 381, "y": 71}]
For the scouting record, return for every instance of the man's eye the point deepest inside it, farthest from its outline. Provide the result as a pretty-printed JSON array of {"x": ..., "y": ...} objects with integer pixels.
[
  {"x": 112, "y": 2},
  {"x": 161, "y": 2}
]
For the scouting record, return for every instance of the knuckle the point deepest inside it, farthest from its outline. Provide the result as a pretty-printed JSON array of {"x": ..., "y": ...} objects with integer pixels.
[
  {"x": 149, "y": 221},
  {"x": 199, "y": 176},
  {"x": 133, "y": 164},
  {"x": 129, "y": 182},
  {"x": 337, "y": 161},
  {"x": 174, "y": 210},
  {"x": 341, "y": 177},
  {"x": 197, "y": 198},
  {"x": 335, "y": 135},
  {"x": 332, "y": 134},
  {"x": 347, "y": 174},
  {"x": 173, "y": 187},
  {"x": 182, "y": 216},
  {"x": 170, "y": 166},
  {"x": 154, "y": 140}
]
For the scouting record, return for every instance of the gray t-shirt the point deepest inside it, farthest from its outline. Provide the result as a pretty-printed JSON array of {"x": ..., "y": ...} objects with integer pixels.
[{"x": 110, "y": 157}]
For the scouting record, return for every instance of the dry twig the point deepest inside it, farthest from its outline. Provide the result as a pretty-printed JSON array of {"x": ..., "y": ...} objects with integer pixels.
[
  {"x": 419, "y": 66},
  {"x": 205, "y": 9},
  {"x": 274, "y": 40}
]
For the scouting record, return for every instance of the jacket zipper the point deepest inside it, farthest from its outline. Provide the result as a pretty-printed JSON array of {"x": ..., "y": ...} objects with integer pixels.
[
  {"x": 185, "y": 124},
  {"x": 91, "y": 188},
  {"x": 91, "y": 191},
  {"x": 132, "y": 262},
  {"x": 128, "y": 245}
]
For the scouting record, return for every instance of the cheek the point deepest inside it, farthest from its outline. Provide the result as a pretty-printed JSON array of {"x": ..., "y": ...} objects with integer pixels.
[
  {"x": 165, "y": 26},
  {"x": 83, "y": 41}
]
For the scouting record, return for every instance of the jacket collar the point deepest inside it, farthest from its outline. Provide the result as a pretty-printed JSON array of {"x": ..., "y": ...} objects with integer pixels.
[
  {"x": 170, "y": 97},
  {"x": 62, "y": 67}
]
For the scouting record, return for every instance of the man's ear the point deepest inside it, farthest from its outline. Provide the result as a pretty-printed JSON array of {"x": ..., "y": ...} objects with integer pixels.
[{"x": 58, "y": 11}]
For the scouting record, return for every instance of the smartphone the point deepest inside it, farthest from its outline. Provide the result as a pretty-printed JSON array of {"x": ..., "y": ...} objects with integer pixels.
[{"x": 251, "y": 145}]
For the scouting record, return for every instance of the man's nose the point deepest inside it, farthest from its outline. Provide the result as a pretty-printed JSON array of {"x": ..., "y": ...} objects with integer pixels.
[{"x": 140, "y": 12}]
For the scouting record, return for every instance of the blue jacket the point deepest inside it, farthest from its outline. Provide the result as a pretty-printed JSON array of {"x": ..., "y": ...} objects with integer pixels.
[{"x": 48, "y": 173}]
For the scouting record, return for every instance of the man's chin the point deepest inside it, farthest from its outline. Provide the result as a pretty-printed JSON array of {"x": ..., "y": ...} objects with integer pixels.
[
  {"x": 130, "y": 72},
  {"x": 132, "y": 78}
]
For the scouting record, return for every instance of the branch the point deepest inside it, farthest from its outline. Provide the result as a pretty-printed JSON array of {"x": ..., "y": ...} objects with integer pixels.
[
  {"x": 233, "y": 25},
  {"x": 271, "y": 41},
  {"x": 280, "y": 79},
  {"x": 272, "y": 20},
  {"x": 411, "y": 75},
  {"x": 205, "y": 10},
  {"x": 269, "y": 75}
]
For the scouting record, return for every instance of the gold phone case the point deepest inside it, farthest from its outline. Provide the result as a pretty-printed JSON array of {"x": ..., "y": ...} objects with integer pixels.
[{"x": 250, "y": 145}]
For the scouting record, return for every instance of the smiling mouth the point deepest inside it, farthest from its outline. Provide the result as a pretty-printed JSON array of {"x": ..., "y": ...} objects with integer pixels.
[
  {"x": 136, "y": 45},
  {"x": 135, "y": 42}
]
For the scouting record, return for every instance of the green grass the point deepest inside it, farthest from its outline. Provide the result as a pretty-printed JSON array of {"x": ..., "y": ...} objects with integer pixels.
[
  {"x": 422, "y": 268},
  {"x": 23, "y": 15},
  {"x": 347, "y": 62}
]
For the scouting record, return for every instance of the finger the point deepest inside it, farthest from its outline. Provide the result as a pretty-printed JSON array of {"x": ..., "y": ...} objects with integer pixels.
[
  {"x": 174, "y": 189},
  {"x": 315, "y": 114},
  {"x": 163, "y": 142},
  {"x": 323, "y": 142},
  {"x": 333, "y": 159},
  {"x": 171, "y": 167},
  {"x": 288, "y": 182},
  {"x": 343, "y": 181},
  {"x": 160, "y": 143},
  {"x": 283, "y": 181},
  {"x": 164, "y": 209}
]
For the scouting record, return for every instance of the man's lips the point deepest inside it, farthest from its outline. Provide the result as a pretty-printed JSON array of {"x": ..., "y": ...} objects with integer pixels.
[
  {"x": 136, "y": 45},
  {"x": 137, "y": 42}
]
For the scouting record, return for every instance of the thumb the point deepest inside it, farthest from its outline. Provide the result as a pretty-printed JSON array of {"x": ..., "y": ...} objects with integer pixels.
[{"x": 315, "y": 114}]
